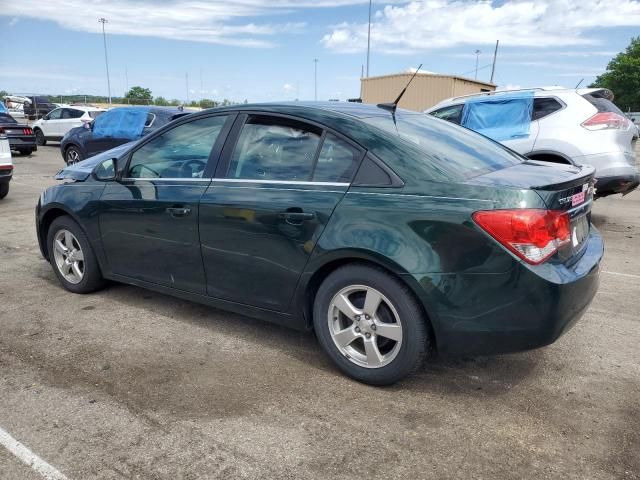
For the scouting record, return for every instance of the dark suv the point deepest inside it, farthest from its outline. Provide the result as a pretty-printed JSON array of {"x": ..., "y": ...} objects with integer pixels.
[{"x": 38, "y": 107}]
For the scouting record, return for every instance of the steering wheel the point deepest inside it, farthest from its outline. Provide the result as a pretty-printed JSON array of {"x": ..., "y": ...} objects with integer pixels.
[{"x": 187, "y": 171}]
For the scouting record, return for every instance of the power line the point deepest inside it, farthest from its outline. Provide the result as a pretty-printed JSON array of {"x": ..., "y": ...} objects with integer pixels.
[{"x": 471, "y": 71}]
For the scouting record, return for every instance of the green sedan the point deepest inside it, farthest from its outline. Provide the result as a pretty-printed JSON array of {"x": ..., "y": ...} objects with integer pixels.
[{"x": 389, "y": 233}]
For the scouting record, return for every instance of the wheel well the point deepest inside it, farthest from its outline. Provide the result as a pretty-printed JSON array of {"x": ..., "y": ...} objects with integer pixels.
[
  {"x": 549, "y": 157},
  {"x": 324, "y": 271},
  {"x": 47, "y": 220}
]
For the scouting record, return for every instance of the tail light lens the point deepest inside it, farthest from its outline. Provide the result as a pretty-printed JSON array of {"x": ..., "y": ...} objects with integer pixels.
[
  {"x": 27, "y": 131},
  {"x": 2, "y": 133},
  {"x": 532, "y": 234},
  {"x": 6, "y": 169},
  {"x": 606, "y": 121}
]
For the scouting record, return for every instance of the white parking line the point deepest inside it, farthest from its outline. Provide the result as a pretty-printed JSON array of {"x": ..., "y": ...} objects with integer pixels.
[
  {"x": 29, "y": 458},
  {"x": 630, "y": 275}
]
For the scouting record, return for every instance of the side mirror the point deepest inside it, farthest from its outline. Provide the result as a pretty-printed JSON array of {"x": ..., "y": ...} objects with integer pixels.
[
  {"x": 105, "y": 171},
  {"x": 46, "y": 117}
]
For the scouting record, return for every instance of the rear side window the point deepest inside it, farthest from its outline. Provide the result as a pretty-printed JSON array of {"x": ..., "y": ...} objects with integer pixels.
[
  {"x": 95, "y": 113},
  {"x": 337, "y": 161},
  {"x": 271, "y": 148},
  {"x": 451, "y": 114},
  {"x": 601, "y": 103},
  {"x": 150, "y": 119},
  {"x": 544, "y": 106}
]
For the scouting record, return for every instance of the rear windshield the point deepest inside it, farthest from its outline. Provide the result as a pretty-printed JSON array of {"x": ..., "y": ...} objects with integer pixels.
[
  {"x": 454, "y": 151},
  {"x": 95, "y": 113},
  {"x": 601, "y": 103},
  {"x": 6, "y": 118}
]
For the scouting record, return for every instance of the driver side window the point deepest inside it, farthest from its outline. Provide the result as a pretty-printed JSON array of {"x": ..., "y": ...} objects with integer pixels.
[
  {"x": 182, "y": 152},
  {"x": 54, "y": 114}
]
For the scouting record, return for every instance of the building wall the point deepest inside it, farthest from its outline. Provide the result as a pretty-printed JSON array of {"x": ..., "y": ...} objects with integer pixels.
[{"x": 424, "y": 92}]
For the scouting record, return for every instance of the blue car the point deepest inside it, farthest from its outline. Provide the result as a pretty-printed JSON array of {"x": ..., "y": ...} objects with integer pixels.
[{"x": 113, "y": 128}]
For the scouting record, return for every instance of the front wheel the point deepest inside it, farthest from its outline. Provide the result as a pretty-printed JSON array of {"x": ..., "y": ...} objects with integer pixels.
[
  {"x": 40, "y": 138},
  {"x": 72, "y": 155},
  {"x": 72, "y": 257},
  {"x": 370, "y": 324}
]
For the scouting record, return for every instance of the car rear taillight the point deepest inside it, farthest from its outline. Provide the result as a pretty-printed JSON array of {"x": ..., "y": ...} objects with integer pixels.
[
  {"x": 3, "y": 134},
  {"x": 6, "y": 169},
  {"x": 532, "y": 234},
  {"x": 605, "y": 121},
  {"x": 27, "y": 131}
]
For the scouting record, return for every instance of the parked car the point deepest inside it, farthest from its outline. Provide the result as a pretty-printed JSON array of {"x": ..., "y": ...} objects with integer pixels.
[
  {"x": 20, "y": 135},
  {"x": 6, "y": 164},
  {"x": 389, "y": 234},
  {"x": 580, "y": 126},
  {"x": 37, "y": 106},
  {"x": 115, "y": 127},
  {"x": 55, "y": 124},
  {"x": 15, "y": 106}
]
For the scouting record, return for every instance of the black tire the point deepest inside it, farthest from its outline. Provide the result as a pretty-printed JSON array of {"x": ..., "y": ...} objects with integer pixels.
[
  {"x": 415, "y": 343},
  {"x": 92, "y": 279},
  {"x": 4, "y": 190},
  {"x": 72, "y": 155},
  {"x": 25, "y": 151},
  {"x": 40, "y": 138}
]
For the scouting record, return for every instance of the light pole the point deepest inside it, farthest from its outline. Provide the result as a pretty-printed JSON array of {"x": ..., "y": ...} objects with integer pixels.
[
  {"x": 478, "y": 52},
  {"x": 315, "y": 79},
  {"x": 369, "y": 38},
  {"x": 106, "y": 61}
]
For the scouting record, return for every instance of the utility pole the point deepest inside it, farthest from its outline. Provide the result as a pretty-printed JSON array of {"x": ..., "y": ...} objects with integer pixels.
[
  {"x": 186, "y": 75},
  {"x": 106, "y": 61},
  {"x": 315, "y": 79},
  {"x": 201, "y": 88},
  {"x": 495, "y": 56},
  {"x": 478, "y": 52},
  {"x": 369, "y": 38},
  {"x": 126, "y": 79}
]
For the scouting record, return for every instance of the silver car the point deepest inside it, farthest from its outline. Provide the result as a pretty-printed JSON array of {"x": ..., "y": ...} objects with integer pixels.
[{"x": 579, "y": 126}]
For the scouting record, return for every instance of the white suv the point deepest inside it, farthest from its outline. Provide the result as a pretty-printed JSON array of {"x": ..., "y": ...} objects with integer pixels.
[
  {"x": 55, "y": 124},
  {"x": 6, "y": 164},
  {"x": 580, "y": 126}
]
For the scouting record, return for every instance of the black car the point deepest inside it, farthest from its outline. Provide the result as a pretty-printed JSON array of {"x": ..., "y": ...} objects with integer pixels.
[
  {"x": 37, "y": 107},
  {"x": 113, "y": 128},
  {"x": 388, "y": 233},
  {"x": 20, "y": 135}
]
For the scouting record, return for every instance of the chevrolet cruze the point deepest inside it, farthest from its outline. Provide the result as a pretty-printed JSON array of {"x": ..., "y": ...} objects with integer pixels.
[{"x": 387, "y": 232}]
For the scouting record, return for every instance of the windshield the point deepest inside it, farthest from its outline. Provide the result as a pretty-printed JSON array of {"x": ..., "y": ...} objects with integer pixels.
[{"x": 459, "y": 152}]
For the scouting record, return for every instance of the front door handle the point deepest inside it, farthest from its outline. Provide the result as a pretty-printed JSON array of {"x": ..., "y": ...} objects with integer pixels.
[
  {"x": 295, "y": 216},
  {"x": 179, "y": 211}
]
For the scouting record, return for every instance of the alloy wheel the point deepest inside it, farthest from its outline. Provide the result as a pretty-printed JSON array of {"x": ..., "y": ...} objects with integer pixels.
[
  {"x": 73, "y": 156},
  {"x": 68, "y": 256},
  {"x": 365, "y": 326}
]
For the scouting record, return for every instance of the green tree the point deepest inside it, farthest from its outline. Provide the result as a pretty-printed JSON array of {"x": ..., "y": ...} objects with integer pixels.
[
  {"x": 623, "y": 77},
  {"x": 161, "y": 101},
  {"x": 174, "y": 102},
  {"x": 139, "y": 93}
]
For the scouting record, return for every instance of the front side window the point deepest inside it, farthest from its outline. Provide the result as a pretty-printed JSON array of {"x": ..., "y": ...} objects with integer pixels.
[
  {"x": 337, "y": 162},
  {"x": 271, "y": 148},
  {"x": 182, "y": 152},
  {"x": 55, "y": 114},
  {"x": 543, "y": 106},
  {"x": 451, "y": 114}
]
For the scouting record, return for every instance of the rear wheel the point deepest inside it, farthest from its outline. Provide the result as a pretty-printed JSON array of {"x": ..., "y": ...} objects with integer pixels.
[
  {"x": 25, "y": 151},
  {"x": 4, "y": 190},
  {"x": 40, "y": 138},
  {"x": 370, "y": 324},
  {"x": 72, "y": 257},
  {"x": 72, "y": 155}
]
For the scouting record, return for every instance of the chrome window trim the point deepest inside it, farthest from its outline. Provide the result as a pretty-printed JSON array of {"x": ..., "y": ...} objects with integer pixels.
[
  {"x": 167, "y": 179},
  {"x": 281, "y": 182}
]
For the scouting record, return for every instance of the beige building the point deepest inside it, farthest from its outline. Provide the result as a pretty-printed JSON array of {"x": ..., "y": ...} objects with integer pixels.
[{"x": 425, "y": 91}]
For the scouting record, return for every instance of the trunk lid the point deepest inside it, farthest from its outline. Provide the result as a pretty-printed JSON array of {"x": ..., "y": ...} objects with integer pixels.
[{"x": 568, "y": 188}]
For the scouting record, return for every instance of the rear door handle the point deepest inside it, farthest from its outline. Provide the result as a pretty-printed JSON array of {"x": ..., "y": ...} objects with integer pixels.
[
  {"x": 295, "y": 216},
  {"x": 179, "y": 211}
]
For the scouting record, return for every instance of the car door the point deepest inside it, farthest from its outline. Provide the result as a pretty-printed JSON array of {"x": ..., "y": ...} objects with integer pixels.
[
  {"x": 149, "y": 217},
  {"x": 274, "y": 192},
  {"x": 69, "y": 119},
  {"x": 50, "y": 123}
]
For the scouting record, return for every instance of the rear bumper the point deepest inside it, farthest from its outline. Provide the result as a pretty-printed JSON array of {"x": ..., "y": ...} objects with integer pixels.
[
  {"x": 524, "y": 308},
  {"x": 615, "y": 172},
  {"x": 617, "y": 184},
  {"x": 27, "y": 141}
]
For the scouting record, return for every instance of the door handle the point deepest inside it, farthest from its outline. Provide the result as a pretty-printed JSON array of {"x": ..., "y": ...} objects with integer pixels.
[
  {"x": 178, "y": 211},
  {"x": 295, "y": 216}
]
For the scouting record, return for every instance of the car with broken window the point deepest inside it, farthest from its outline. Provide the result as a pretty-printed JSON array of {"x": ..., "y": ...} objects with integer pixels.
[
  {"x": 553, "y": 124},
  {"x": 389, "y": 233}
]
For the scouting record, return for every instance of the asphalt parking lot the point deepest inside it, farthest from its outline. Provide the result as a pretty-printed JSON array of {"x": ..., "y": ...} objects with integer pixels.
[{"x": 127, "y": 383}]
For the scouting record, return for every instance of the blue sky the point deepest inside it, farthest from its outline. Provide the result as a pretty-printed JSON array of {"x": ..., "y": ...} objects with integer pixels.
[{"x": 264, "y": 50}]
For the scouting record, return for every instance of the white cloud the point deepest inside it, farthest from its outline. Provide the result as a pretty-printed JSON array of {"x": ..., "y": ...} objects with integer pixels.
[
  {"x": 431, "y": 24},
  {"x": 288, "y": 88},
  {"x": 13, "y": 21}
]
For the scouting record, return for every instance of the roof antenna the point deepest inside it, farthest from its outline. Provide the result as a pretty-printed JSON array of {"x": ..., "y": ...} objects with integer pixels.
[
  {"x": 392, "y": 106},
  {"x": 579, "y": 83}
]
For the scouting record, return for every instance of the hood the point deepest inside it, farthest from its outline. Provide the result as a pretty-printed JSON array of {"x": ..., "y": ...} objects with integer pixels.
[{"x": 81, "y": 170}]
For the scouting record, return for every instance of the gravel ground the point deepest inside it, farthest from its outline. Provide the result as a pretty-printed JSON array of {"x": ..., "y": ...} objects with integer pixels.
[{"x": 127, "y": 383}]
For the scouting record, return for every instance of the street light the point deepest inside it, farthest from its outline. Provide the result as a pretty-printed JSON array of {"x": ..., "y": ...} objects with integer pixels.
[
  {"x": 106, "y": 61},
  {"x": 478, "y": 52},
  {"x": 369, "y": 38},
  {"x": 315, "y": 79}
]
